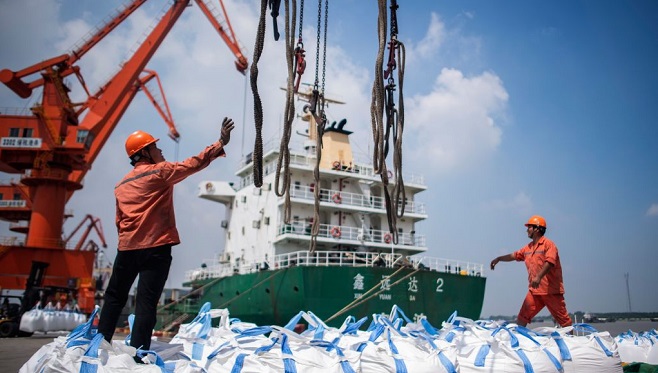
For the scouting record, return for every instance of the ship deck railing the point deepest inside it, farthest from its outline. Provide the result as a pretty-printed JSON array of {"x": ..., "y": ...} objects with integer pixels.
[
  {"x": 340, "y": 197},
  {"x": 359, "y": 166},
  {"x": 334, "y": 258},
  {"x": 340, "y": 233}
]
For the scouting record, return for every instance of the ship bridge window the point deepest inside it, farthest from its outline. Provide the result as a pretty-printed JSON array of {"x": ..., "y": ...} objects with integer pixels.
[
  {"x": 14, "y": 132},
  {"x": 27, "y": 132}
]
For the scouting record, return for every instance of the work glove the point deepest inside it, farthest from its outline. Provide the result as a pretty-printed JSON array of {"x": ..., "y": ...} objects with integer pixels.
[{"x": 227, "y": 127}]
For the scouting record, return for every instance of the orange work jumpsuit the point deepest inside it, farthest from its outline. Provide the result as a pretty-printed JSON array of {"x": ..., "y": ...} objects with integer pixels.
[{"x": 550, "y": 292}]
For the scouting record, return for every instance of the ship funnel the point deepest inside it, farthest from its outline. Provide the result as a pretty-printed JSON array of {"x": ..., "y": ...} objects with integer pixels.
[{"x": 341, "y": 124}]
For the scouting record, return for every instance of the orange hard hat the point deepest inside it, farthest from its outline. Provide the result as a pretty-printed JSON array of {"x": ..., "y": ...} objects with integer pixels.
[
  {"x": 536, "y": 220},
  {"x": 137, "y": 141}
]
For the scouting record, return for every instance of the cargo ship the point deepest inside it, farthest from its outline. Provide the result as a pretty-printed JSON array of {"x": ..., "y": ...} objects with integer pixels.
[{"x": 266, "y": 272}]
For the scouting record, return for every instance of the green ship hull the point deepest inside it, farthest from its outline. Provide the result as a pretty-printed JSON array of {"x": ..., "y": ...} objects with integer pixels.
[{"x": 332, "y": 293}]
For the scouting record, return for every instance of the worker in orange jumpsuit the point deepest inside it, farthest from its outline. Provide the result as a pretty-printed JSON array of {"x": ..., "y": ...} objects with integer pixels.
[
  {"x": 147, "y": 230},
  {"x": 546, "y": 288}
]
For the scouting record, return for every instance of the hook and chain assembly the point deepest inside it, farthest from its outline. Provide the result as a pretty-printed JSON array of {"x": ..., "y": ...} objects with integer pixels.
[
  {"x": 300, "y": 53},
  {"x": 383, "y": 105},
  {"x": 317, "y": 111}
]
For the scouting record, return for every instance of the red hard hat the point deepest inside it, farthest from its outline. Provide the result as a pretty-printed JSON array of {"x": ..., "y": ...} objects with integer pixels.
[
  {"x": 137, "y": 141},
  {"x": 536, "y": 220}
]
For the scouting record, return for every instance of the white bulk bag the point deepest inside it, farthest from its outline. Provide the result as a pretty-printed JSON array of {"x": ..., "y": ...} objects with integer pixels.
[
  {"x": 504, "y": 350},
  {"x": 33, "y": 320},
  {"x": 316, "y": 355},
  {"x": 634, "y": 347},
  {"x": 390, "y": 350},
  {"x": 199, "y": 338},
  {"x": 231, "y": 358},
  {"x": 595, "y": 352}
]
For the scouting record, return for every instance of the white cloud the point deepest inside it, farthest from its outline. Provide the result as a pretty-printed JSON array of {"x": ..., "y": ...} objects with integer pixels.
[
  {"x": 520, "y": 204},
  {"x": 653, "y": 210},
  {"x": 434, "y": 38},
  {"x": 457, "y": 123}
]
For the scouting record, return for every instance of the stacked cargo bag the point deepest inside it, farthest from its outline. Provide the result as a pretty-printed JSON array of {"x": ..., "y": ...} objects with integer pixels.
[
  {"x": 64, "y": 353},
  {"x": 230, "y": 355},
  {"x": 390, "y": 350},
  {"x": 51, "y": 319},
  {"x": 241, "y": 355},
  {"x": 316, "y": 328},
  {"x": 636, "y": 347},
  {"x": 42, "y": 357},
  {"x": 33, "y": 320},
  {"x": 351, "y": 337},
  {"x": 72, "y": 317},
  {"x": 86, "y": 351},
  {"x": 199, "y": 338},
  {"x": 503, "y": 349},
  {"x": 101, "y": 357},
  {"x": 652, "y": 356},
  {"x": 592, "y": 352},
  {"x": 312, "y": 354}
]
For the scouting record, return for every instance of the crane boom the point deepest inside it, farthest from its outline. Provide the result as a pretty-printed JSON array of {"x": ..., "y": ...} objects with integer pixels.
[
  {"x": 65, "y": 62},
  {"x": 226, "y": 33}
]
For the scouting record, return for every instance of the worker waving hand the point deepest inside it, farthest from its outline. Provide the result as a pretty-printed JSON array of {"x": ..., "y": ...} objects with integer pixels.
[
  {"x": 545, "y": 285},
  {"x": 147, "y": 229}
]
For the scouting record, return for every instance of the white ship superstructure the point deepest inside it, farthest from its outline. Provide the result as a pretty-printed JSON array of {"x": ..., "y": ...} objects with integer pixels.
[{"x": 352, "y": 207}]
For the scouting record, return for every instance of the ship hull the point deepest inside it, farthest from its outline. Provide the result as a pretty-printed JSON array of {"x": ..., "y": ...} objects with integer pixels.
[{"x": 273, "y": 297}]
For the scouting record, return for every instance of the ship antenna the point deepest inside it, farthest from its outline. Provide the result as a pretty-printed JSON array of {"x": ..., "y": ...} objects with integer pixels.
[{"x": 628, "y": 292}]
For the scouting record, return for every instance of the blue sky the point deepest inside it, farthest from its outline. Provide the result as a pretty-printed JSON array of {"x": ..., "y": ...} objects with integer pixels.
[{"x": 513, "y": 108}]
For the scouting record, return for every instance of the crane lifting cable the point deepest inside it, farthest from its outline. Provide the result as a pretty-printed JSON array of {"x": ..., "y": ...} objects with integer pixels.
[
  {"x": 296, "y": 68},
  {"x": 386, "y": 119},
  {"x": 289, "y": 116},
  {"x": 253, "y": 79},
  {"x": 258, "y": 105}
]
